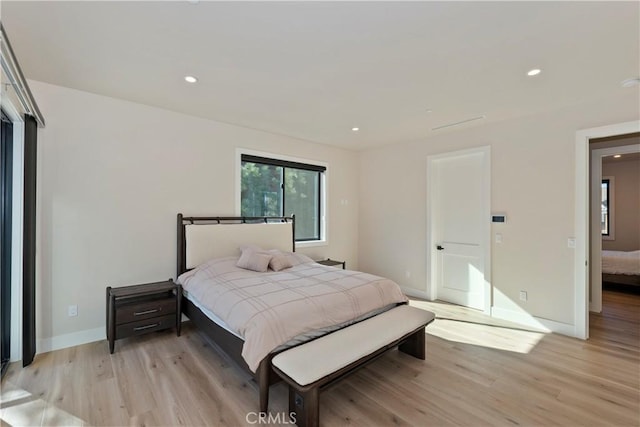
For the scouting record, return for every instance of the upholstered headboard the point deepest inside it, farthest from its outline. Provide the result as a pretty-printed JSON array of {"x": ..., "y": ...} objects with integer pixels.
[{"x": 203, "y": 238}]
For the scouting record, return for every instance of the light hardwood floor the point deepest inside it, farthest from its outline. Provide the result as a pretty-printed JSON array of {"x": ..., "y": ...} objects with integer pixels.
[{"x": 475, "y": 374}]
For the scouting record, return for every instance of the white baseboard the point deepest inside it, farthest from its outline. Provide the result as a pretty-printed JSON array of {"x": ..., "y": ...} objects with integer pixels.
[
  {"x": 533, "y": 321},
  {"x": 90, "y": 335},
  {"x": 70, "y": 340},
  {"x": 525, "y": 319},
  {"x": 58, "y": 342},
  {"x": 415, "y": 293}
]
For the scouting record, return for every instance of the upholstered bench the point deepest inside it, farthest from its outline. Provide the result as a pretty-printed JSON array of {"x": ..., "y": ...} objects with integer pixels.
[{"x": 313, "y": 365}]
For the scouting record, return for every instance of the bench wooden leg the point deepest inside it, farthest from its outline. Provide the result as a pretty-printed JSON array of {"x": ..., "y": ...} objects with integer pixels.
[
  {"x": 306, "y": 405},
  {"x": 415, "y": 345},
  {"x": 263, "y": 385}
]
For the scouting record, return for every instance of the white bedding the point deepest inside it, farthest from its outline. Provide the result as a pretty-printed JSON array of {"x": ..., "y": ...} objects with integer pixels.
[
  {"x": 208, "y": 313},
  {"x": 618, "y": 262},
  {"x": 294, "y": 341},
  {"x": 272, "y": 309}
]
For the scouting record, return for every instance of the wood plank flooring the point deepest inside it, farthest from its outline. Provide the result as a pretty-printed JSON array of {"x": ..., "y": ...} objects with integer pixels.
[{"x": 478, "y": 372}]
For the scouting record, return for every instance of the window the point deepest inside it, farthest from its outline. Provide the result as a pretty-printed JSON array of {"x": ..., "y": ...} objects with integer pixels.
[
  {"x": 274, "y": 187},
  {"x": 606, "y": 208},
  {"x": 6, "y": 210},
  {"x": 604, "y": 216}
]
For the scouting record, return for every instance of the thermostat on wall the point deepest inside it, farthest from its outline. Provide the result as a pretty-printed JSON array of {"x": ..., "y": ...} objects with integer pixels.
[{"x": 499, "y": 218}]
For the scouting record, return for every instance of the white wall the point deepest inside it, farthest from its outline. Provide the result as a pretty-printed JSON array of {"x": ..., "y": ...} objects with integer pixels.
[
  {"x": 114, "y": 174},
  {"x": 533, "y": 174},
  {"x": 627, "y": 204}
]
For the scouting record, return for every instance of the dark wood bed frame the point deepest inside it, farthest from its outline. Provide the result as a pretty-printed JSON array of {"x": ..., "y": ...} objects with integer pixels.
[
  {"x": 228, "y": 342},
  {"x": 621, "y": 279}
]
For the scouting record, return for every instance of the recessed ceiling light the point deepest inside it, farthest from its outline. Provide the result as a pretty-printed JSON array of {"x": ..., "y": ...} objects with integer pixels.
[
  {"x": 631, "y": 82},
  {"x": 617, "y": 156},
  {"x": 534, "y": 72},
  {"x": 355, "y": 129},
  {"x": 429, "y": 111},
  {"x": 190, "y": 79}
]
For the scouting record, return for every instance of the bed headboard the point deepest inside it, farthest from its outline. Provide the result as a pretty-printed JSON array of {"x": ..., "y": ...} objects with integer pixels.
[{"x": 203, "y": 238}]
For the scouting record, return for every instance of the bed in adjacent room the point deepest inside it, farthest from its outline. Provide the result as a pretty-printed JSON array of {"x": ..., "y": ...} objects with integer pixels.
[
  {"x": 621, "y": 267},
  {"x": 254, "y": 296}
]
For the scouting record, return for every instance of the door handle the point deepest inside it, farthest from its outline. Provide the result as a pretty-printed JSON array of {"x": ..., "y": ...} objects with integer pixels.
[{"x": 440, "y": 248}]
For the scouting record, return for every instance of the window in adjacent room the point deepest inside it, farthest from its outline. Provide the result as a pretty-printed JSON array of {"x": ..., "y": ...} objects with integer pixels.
[
  {"x": 275, "y": 187},
  {"x": 606, "y": 206}
]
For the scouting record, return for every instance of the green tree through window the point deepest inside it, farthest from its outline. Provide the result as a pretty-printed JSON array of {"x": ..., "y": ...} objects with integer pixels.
[{"x": 272, "y": 187}]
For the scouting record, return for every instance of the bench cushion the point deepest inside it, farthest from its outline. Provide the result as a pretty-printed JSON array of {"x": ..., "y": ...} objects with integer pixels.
[{"x": 316, "y": 359}]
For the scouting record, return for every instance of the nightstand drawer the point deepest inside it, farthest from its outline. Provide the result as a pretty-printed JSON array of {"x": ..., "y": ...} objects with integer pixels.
[
  {"x": 145, "y": 326},
  {"x": 126, "y": 313}
]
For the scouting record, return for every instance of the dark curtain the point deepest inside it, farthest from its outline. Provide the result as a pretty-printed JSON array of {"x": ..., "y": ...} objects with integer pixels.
[{"x": 29, "y": 244}]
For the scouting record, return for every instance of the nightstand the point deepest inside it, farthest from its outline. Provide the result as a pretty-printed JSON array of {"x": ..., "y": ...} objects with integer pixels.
[
  {"x": 140, "y": 309},
  {"x": 332, "y": 263}
]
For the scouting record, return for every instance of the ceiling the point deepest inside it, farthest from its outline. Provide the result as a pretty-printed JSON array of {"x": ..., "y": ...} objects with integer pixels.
[
  {"x": 315, "y": 70},
  {"x": 635, "y": 157}
]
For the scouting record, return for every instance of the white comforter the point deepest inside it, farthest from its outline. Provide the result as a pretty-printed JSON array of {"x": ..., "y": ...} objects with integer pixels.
[
  {"x": 270, "y": 309},
  {"x": 617, "y": 262}
]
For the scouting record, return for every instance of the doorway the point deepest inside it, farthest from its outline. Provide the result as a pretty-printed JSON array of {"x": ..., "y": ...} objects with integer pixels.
[
  {"x": 582, "y": 265},
  {"x": 605, "y": 201},
  {"x": 458, "y": 253}
]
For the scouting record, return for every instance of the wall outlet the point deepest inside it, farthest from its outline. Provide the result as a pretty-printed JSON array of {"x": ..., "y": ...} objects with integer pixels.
[
  {"x": 571, "y": 242},
  {"x": 498, "y": 238},
  {"x": 407, "y": 274},
  {"x": 72, "y": 310},
  {"x": 523, "y": 295}
]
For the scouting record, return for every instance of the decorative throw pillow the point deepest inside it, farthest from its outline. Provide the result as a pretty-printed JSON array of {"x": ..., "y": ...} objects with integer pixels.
[
  {"x": 253, "y": 260},
  {"x": 251, "y": 248},
  {"x": 298, "y": 258},
  {"x": 280, "y": 262}
]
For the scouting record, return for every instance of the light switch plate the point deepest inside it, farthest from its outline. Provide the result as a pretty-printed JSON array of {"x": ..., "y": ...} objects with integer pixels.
[{"x": 72, "y": 310}]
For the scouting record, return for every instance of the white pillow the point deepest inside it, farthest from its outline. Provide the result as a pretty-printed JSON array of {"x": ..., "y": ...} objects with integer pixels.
[
  {"x": 254, "y": 260},
  {"x": 280, "y": 262},
  {"x": 293, "y": 258},
  {"x": 297, "y": 258},
  {"x": 251, "y": 248}
]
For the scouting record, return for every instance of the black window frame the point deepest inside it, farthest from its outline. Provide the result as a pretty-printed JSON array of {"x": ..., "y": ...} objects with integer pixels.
[
  {"x": 288, "y": 164},
  {"x": 607, "y": 183},
  {"x": 6, "y": 212}
]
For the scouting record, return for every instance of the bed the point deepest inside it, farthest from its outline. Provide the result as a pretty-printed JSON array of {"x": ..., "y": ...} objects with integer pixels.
[
  {"x": 209, "y": 249},
  {"x": 621, "y": 268}
]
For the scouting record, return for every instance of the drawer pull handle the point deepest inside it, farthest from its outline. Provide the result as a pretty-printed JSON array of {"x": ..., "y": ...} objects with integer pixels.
[
  {"x": 141, "y": 313},
  {"x": 142, "y": 328}
]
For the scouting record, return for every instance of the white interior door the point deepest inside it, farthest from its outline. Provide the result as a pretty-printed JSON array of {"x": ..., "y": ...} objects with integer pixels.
[{"x": 459, "y": 207}]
